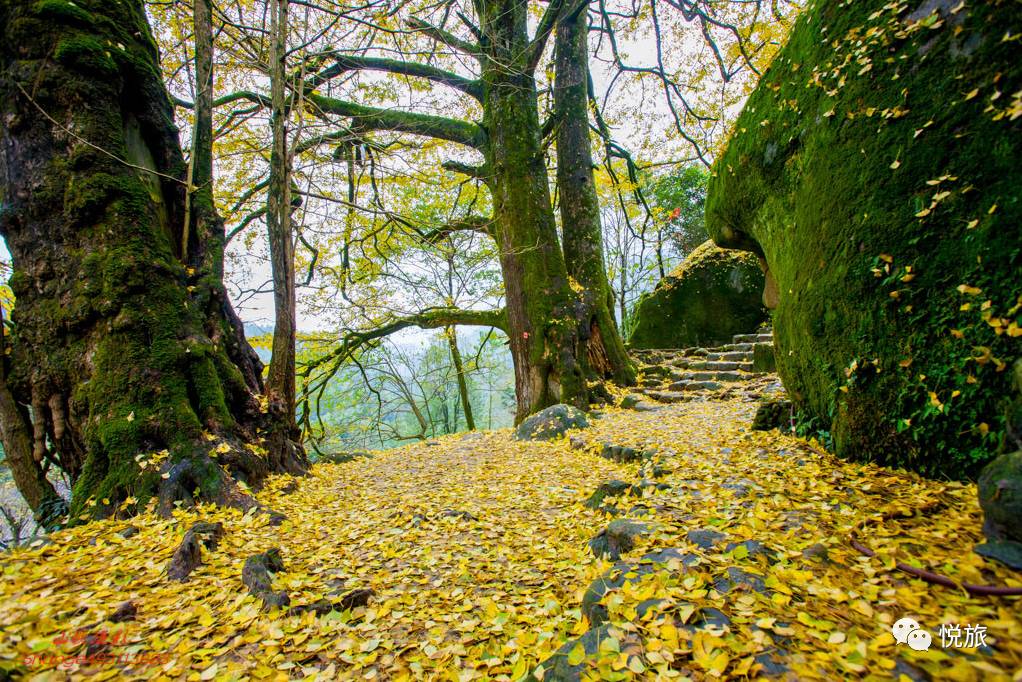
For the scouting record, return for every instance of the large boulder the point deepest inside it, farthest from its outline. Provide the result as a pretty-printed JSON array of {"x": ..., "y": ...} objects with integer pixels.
[
  {"x": 1000, "y": 496},
  {"x": 713, "y": 295},
  {"x": 552, "y": 422},
  {"x": 875, "y": 169}
]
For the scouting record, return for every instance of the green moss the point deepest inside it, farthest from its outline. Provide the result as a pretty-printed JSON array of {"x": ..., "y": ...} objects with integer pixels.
[
  {"x": 713, "y": 295},
  {"x": 85, "y": 54},
  {"x": 837, "y": 173},
  {"x": 64, "y": 12}
]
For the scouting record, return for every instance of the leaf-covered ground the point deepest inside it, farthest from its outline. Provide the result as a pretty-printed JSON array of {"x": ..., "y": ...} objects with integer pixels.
[{"x": 493, "y": 593}]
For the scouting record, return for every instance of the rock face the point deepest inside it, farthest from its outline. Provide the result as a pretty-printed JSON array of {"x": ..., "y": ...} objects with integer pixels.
[
  {"x": 875, "y": 169},
  {"x": 551, "y": 423},
  {"x": 1000, "y": 496},
  {"x": 713, "y": 295}
]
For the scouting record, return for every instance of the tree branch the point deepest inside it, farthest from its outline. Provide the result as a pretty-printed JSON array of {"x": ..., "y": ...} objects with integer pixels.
[
  {"x": 480, "y": 224},
  {"x": 479, "y": 172},
  {"x": 431, "y": 318},
  {"x": 445, "y": 37},
  {"x": 546, "y": 26},
  {"x": 344, "y": 63},
  {"x": 259, "y": 99},
  {"x": 374, "y": 118}
]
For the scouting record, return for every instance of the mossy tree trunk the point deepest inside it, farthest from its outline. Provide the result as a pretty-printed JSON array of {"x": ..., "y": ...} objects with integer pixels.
[
  {"x": 601, "y": 348},
  {"x": 542, "y": 309},
  {"x": 141, "y": 381},
  {"x": 283, "y": 439}
]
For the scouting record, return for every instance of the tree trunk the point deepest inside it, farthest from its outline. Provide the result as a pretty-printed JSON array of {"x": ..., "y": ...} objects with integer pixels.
[
  {"x": 459, "y": 368},
  {"x": 600, "y": 346},
  {"x": 623, "y": 250},
  {"x": 282, "y": 442},
  {"x": 541, "y": 307},
  {"x": 124, "y": 342},
  {"x": 42, "y": 498}
]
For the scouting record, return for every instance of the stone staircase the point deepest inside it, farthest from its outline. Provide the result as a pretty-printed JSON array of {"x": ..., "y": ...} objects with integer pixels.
[{"x": 743, "y": 368}]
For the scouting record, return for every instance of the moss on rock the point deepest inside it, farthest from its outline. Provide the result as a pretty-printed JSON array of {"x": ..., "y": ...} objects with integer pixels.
[
  {"x": 713, "y": 295},
  {"x": 875, "y": 168}
]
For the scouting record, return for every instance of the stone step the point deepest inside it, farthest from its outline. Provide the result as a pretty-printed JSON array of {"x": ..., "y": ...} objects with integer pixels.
[
  {"x": 731, "y": 356},
  {"x": 727, "y": 347},
  {"x": 753, "y": 338},
  {"x": 713, "y": 365},
  {"x": 668, "y": 396},
  {"x": 694, "y": 385},
  {"x": 710, "y": 376},
  {"x": 656, "y": 370}
]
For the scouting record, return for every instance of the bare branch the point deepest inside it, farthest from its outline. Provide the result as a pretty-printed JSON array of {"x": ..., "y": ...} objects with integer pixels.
[{"x": 445, "y": 37}]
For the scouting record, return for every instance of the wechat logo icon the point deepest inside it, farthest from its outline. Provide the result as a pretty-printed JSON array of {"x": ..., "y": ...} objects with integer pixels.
[{"x": 907, "y": 631}]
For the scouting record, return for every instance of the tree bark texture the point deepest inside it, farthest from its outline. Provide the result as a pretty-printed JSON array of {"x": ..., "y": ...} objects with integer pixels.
[
  {"x": 601, "y": 348},
  {"x": 459, "y": 368},
  {"x": 282, "y": 442},
  {"x": 140, "y": 380},
  {"x": 541, "y": 306}
]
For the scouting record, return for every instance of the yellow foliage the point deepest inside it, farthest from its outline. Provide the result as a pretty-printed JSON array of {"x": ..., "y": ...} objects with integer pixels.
[{"x": 494, "y": 597}]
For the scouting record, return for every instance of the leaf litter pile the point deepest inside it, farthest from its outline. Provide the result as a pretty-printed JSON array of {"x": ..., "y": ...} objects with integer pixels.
[{"x": 729, "y": 553}]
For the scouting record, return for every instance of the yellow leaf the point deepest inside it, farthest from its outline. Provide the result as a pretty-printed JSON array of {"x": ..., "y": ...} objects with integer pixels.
[{"x": 635, "y": 665}]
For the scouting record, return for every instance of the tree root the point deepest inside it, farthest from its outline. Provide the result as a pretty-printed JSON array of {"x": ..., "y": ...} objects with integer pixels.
[{"x": 938, "y": 579}]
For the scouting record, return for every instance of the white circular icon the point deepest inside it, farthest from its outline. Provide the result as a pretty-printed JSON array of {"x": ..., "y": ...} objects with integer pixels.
[
  {"x": 907, "y": 631},
  {"x": 902, "y": 629},
  {"x": 919, "y": 640}
]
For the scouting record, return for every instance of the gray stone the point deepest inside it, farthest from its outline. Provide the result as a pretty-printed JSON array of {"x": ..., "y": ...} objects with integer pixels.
[
  {"x": 458, "y": 514},
  {"x": 618, "y": 538},
  {"x": 816, "y": 551},
  {"x": 1000, "y": 495},
  {"x": 1008, "y": 552},
  {"x": 557, "y": 668},
  {"x": 607, "y": 489},
  {"x": 774, "y": 413},
  {"x": 705, "y": 537},
  {"x": 551, "y": 423},
  {"x": 772, "y": 663},
  {"x": 742, "y": 579},
  {"x": 626, "y": 572},
  {"x": 754, "y": 549},
  {"x": 623, "y": 453},
  {"x": 739, "y": 486},
  {"x": 577, "y": 442},
  {"x": 630, "y": 401},
  {"x": 711, "y": 617}
]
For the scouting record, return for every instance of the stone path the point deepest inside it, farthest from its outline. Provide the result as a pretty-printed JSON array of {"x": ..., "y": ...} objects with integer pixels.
[
  {"x": 743, "y": 368},
  {"x": 713, "y": 551}
]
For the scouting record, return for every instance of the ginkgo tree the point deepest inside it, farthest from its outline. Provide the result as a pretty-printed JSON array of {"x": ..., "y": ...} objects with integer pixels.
[
  {"x": 125, "y": 345},
  {"x": 404, "y": 74}
]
